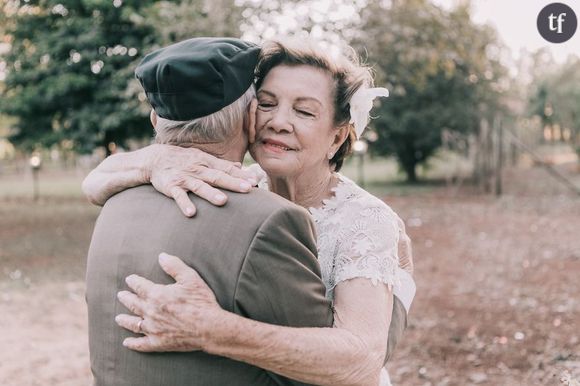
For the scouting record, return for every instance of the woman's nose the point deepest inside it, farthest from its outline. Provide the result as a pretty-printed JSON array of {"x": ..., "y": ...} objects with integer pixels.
[{"x": 280, "y": 121}]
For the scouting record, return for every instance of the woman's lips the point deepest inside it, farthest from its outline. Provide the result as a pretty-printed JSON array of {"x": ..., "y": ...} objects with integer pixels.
[{"x": 276, "y": 146}]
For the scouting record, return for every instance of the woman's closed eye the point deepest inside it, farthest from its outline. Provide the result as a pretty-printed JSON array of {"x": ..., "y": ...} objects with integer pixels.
[
  {"x": 265, "y": 105},
  {"x": 305, "y": 113}
]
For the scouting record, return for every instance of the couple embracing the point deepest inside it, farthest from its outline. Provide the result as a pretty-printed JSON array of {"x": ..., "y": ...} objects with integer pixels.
[{"x": 294, "y": 276}]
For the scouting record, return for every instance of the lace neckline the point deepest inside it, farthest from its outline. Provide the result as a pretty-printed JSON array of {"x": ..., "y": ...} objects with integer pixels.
[
  {"x": 341, "y": 192},
  {"x": 326, "y": 202}
]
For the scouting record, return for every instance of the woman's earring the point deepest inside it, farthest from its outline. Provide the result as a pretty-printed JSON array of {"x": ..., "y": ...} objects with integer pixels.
[{"x": 330, "y": 154}]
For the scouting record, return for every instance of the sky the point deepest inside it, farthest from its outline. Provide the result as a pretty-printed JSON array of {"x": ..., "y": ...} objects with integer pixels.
[{"x": 515, "y": 21}]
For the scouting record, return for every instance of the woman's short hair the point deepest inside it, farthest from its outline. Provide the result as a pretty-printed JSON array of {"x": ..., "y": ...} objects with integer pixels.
[
  {"x": 216, "y": 127},
  {"x": 346, "y": 71}
]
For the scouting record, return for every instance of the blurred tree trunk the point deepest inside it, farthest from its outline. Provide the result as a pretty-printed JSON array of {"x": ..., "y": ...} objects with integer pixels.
[{"x": 436, "y": 65}]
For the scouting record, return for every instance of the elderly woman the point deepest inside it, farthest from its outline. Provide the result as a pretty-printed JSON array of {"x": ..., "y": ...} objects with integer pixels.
[{"x": 311, "y": 107}]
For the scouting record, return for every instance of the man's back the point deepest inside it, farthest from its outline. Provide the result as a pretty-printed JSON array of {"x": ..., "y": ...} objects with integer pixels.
[{"x": 257, "y": 254}]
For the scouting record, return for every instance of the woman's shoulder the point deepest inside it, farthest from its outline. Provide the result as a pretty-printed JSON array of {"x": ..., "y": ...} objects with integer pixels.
[
  {"x": 367, "y": 235},
  {"x": 359, "y": 202}
]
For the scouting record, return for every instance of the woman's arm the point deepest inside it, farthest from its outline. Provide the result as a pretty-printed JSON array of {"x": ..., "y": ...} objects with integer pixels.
[
  {"x": 352, "y": 353},
  {"x": 185, "y": 316},
  {"x": 118, "y": 172},
  {"x": 172, "y": 170}
]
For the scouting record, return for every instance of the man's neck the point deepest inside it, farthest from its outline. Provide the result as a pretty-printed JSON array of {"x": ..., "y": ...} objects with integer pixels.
[
  {"x": 231, "y": 149},
  {"x": 227, "y": 152}
]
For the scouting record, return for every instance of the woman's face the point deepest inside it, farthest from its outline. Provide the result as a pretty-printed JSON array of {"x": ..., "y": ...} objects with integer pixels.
[{"x": 294, "y": 122}]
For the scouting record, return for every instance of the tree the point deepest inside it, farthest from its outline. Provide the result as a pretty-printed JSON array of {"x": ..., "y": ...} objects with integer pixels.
[
  {"x": 70, "y": 68},
  {"x": 68, "y": 71},
  {"x": 442, "y": 70}
]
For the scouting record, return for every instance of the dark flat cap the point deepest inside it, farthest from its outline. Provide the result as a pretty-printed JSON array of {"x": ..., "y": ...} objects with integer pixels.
[{"x": 197, "y": 77}]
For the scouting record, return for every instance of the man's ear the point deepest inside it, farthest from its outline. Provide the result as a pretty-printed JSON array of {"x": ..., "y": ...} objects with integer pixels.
[
  {"x": 153, "y": 117},
  {"x": 251, "y": 126}
]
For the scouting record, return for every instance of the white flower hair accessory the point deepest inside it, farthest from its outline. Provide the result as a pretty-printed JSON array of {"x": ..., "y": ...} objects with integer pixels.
[{"x": 361, "y": 104}]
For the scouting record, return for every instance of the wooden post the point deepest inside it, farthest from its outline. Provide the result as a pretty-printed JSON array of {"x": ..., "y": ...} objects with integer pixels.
[
  {"x": 488, "y": 169},
  {"x": 480, "y": 155},
  {"x": 35, "y": 189},
  {"x": 361, "y": 170},
  {"x": 513, "y": 154},
  {"x": 499, "y": 163}
]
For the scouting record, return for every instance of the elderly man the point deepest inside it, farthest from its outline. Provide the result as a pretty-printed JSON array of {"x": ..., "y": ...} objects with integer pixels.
[{"x": 200, "y": 91}]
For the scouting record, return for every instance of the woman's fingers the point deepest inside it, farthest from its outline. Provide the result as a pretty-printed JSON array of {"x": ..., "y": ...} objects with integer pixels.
[
  {"x": 175, "y": 171},
  {"x": 131, "y": 301},
  {"x": 177, "y": 269},
  {"x": 205, "y": 191},
  {"x": 202, "y": 185},
  {"x": 143, "y": 344},
  {"x": 130, "y": 323},
  {"x": 216, "y": 177},
  {"x": 170, "y": 316},
  {"x": 139, "y": 285},
  {"x": 182, "y": 200},
  {"x": 231, "y": 168}
]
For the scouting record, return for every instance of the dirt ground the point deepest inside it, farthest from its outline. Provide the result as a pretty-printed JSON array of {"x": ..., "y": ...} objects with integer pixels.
[{"x": 497, "y": 304}]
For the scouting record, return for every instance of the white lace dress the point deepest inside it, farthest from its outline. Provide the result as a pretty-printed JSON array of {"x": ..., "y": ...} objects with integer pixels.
[{"x": 358, "y": 236}]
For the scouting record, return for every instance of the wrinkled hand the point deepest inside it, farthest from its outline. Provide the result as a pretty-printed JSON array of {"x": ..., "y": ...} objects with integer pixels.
[
  {"x": 176, "y": 170},
  {"x": 175, "y": 317}
]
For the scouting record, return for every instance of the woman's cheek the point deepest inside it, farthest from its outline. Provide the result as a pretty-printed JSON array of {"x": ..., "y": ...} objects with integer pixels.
[{"x": 260, "y": 120}]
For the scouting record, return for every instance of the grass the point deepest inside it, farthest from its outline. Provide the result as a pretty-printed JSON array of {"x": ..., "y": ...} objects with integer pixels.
[
  {"x": 383, "y": 177},
  {"x": 45, "y": 240},
  {"x": 51, "y": 184}
]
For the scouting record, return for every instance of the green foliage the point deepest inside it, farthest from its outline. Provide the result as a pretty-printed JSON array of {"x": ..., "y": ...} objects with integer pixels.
[
  {"x": 68, "y": 72},
  {"x": 442, "y": 70},
  {"x": 71, "y": 63}
]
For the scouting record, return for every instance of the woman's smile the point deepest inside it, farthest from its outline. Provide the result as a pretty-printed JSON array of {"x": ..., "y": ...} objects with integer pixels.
[{"x": 275, "y": 146}]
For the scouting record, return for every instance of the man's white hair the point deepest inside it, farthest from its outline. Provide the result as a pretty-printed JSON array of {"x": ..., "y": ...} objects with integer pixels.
[{"x": 216, "y": 127}]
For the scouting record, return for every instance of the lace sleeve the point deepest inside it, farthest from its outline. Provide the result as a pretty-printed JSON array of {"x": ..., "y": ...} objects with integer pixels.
[
  {"x": 260, "y": 174},
  {"x": 370, "y": 248}
]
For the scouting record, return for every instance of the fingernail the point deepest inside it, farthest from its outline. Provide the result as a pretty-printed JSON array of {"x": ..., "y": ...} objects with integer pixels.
[
  {"x": 189, "y": 212},
  {"x": 117, "y": 318},
  {"x": 163, "y": 257},
  {"x": 252, "y": 181},
  {"x": 125, "y": 343},
  {"x": 220, "y": 197},
  {"x": 245, "y": 186}
]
